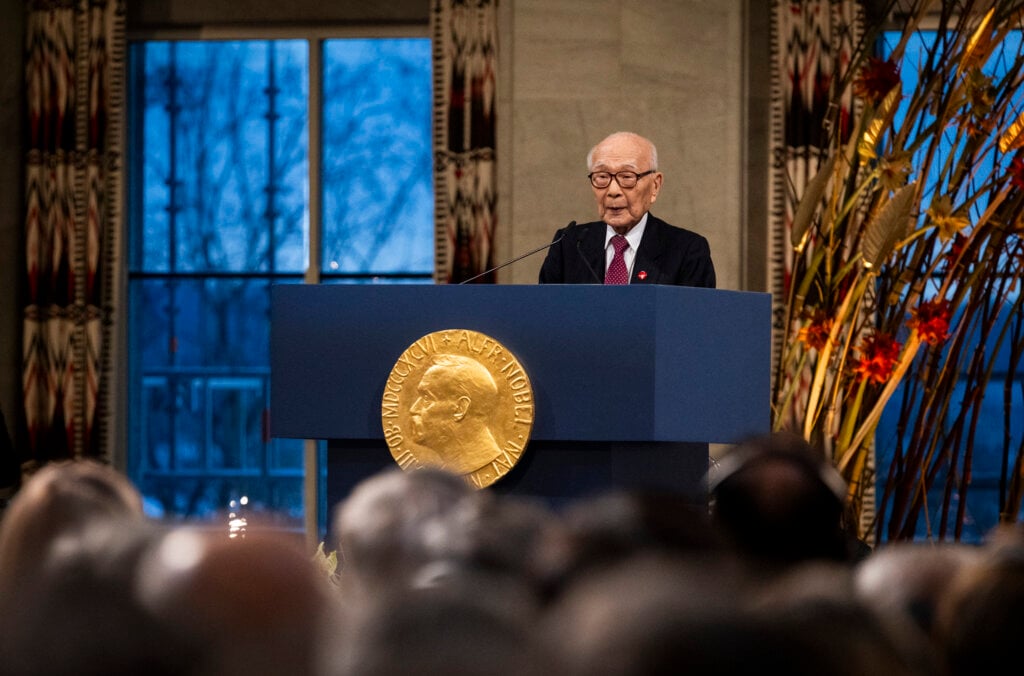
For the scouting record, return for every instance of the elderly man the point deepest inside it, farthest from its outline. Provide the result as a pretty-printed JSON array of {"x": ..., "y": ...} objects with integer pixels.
[{"x": 629, "y": 245}]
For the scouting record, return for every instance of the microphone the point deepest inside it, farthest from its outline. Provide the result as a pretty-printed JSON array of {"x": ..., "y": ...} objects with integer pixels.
[
  {"x": 579, "y": 250},
  {"x": 519, "y": 258}
]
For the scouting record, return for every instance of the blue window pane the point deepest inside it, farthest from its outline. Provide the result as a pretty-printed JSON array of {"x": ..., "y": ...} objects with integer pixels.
[
  {"x": 225, "y": 156},
  {"x": 289, "y": 209},
  {"x": 150, "y": 318},
  {"x": 377, "y": 158},
  {"x": 155, "y": 159},
  {"x": 157, "y": 420},
  {"x": 288, "y": 455},
  {"x": 237, "y": 405},
  {"x": 192, "y": 323}
]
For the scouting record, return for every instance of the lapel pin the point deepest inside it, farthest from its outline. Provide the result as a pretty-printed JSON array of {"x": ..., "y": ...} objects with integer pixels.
[{"x": 642, "y": 275}]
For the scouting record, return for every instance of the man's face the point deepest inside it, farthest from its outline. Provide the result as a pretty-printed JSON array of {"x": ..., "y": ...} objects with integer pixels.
[
  {"x": 618, "y": 207},
  {"x": 433, "y": 412}
]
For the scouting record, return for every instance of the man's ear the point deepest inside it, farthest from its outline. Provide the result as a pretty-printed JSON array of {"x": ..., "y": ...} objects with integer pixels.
[
  {"x": 461, "y": 407},
  {"x": 658, "y": 177}
]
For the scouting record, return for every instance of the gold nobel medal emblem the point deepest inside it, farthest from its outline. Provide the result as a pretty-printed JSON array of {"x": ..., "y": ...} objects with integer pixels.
[{"x": 459, "y": 400}]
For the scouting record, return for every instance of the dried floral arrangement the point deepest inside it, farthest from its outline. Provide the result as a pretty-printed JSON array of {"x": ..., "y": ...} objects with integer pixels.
[{"x": 905, "y": 293}]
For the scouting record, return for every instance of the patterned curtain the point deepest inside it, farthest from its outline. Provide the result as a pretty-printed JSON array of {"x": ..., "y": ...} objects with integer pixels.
[
  {"x": 812, "y": 44},
  {"x": 465, "y": 60},
  {"x": 74, "y": 79}
]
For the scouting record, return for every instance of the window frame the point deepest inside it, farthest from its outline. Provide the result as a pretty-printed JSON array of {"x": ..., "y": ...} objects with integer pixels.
[{"x": 314, "y": 509}]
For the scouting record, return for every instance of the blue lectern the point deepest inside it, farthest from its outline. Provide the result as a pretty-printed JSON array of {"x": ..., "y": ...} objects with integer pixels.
[{"x": 631, "y": 383}]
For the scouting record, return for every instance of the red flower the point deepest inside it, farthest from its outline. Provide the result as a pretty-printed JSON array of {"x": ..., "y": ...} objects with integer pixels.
[
  {"x": 931, "y": 319},
  {"x": 1017, "y": 172},
  {"x": 879, "y": 354},
  {"x": 956, "y": 249},
  {"x": 876, "y": 79},
  {"x": 815, "y": 334},
  {"x": 958, "y": 246}
]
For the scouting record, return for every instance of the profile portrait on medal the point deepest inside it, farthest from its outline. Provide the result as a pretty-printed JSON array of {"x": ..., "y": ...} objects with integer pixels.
[{"x": 450, "y": 415}]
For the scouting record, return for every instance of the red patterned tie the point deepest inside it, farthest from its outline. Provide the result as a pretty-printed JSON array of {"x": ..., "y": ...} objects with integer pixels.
[{"x": 617, "y": 273}]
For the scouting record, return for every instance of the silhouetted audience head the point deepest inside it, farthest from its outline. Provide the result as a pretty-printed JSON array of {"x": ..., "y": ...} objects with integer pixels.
[
  {"x": 909, "y": 578},
  {"x": 980, "y": 618},
  {"x": 440, "y": 630},
  {"x": 395, "y": 524},
  {"x": 248, "y": 606},
  {"x": 81, "y": 616},
  {"x": 503, "y": 550},
  {"x": 780, "y": 502},
  {"x": 60, "y": 499},
  {"x": 655, "y": 614},
  {"x": 829, "y": 629},
  {"x": 608, "y": 528}
]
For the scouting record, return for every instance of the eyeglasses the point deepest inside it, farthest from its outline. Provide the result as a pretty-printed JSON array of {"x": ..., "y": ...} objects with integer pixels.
[{"x": 625, "y": 179}]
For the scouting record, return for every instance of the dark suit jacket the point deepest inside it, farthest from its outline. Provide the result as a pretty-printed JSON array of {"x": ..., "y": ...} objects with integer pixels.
[{"x": 667, "y": 254}]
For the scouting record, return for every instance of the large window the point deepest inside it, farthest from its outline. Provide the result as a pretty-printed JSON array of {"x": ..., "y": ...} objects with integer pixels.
[{"x": 221, "y": 181}]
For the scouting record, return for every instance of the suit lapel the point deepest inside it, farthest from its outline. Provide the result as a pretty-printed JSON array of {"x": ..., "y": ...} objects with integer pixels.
[
  {"x": 592, "y": 249},
  {"x": 647, "y": 254}
]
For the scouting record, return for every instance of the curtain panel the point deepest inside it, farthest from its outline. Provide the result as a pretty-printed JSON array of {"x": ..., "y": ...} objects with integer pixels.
[
  {"x": 465, "y": 63},
  {"x": 74, "y": 86},
  {"x": 812, "y": 43}
]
